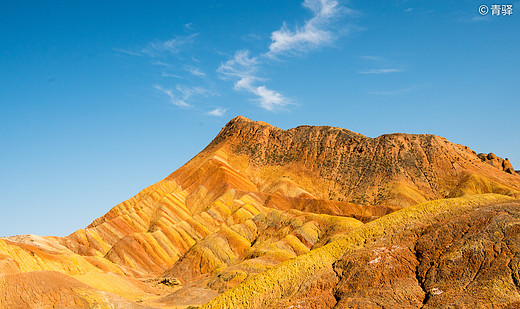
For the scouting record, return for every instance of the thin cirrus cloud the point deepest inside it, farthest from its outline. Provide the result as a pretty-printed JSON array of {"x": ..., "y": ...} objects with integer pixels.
[
  {"x": 372, "y": 58},
  {"x": 161, "y": 63},
  {"x": 217, "y": 112},
  {"x": 159, "y": 48},
  {"x": 268, "y": 99},
  {"x": 388, "y": 65},
  {"x": 182, "y": 95},
  {"x": 243, "y": 69},
  {"x": 381, "y": 71},
  {"x": 172, "y": 46},
  {"x": 195, "y": 71},
  {"x": 161, "y": 53},
  {"x": 174, "y": 99},
  {"x": 314, "y": 33},
  {"x": 165, "y": 74},
  {"x": 241, "y": 65}
]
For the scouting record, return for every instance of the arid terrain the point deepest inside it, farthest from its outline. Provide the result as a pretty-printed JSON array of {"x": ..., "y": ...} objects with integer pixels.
[{"x": 310, "y": 217}]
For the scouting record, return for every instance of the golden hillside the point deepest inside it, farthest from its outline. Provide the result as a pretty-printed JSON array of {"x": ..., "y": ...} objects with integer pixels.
[{"x": 262, "y": 215}]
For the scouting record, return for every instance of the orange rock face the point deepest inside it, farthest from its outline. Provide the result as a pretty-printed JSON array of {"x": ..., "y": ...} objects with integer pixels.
[
  {"x": 458, "y": 262},
  {"x": 497, "y": 162},
  {"x": 255, "y": 198}
]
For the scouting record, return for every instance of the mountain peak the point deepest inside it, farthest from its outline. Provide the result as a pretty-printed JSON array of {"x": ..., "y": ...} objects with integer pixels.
[
  {"x": 259, "y": 196},
  {"x": 244, "y": 128},
  {"x": 244, "y": 121},
  {"x": 393, "y": 169},
  {"x": 240, "y": 118}
]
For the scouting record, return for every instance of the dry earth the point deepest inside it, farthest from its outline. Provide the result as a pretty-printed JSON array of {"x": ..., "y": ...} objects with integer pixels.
[{"x": 259, "y": 200}]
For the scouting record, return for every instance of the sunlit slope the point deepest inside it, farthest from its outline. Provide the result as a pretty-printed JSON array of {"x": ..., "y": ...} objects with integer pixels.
[
  {"x": 252, "y": 165},
  {"x": 301, "y": 282},
  {"x": 152, "y": 230},
  {"x": 38, "y": 270},
  {"x": 258, "y": 244},
  {"x": 333, "y": 163},
  {"x": 466, "y": 259},
  {"x": 49, "y": 289},
  {"x": 283, "y": 205}
]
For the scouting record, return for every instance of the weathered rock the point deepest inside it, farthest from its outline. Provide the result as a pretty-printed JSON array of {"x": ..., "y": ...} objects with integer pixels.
[
  {"x": 332, "y": 163},
  {"x": 170, "y": 281},
  {"x": 259, "y": 197},
  {"x": 453, "y": 253},
  {"x": 501, "y": 164},
  {"x": 466, "y": 261}
]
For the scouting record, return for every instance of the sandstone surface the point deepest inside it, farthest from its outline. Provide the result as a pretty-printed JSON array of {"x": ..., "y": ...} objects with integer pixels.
[{"x": 329, "y": 217}]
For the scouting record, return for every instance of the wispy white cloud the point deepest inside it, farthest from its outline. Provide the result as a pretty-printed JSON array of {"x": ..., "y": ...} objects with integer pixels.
[
  {"x": 217, "y": 112},
  {"x": 314, "y": 33},
  {"x": 195, "y": 71},
  {"x": 175, "y": 100},
  {"x": 172, "y": 46},
  {"x": 251, "y": 37},
  {"x": 159, "y": 48},
  {"x": 243, "y": 69},
  {"x": 189, "y": 92},
  {"x": 267, "y": 99},
  {"x": 241, "y": 65},
  {"x": 388, "y": 66},
  {"x": 381, "y": 71},
  {"x": 372, "y": 58},
  {"x": 127, "y": 51},
  {"x": 161, "y": 63},
  {"x": 182, "y": 95},
  {"x": 164, "y": 74},
  {"x": 171, "y": 62}
]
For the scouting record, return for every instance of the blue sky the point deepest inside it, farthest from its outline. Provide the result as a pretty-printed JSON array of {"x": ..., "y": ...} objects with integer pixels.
[{"x": 99, "y": 99}]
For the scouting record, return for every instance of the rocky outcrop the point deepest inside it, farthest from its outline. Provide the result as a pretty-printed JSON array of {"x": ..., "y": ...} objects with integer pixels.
[
  {"x": 497, "y": 162},
  {"x": 469, "y": 260},
  {"x": 267, "y": 239},
  {"x": 284, "y": 205},
  {"x": 453, "y": 253},
  {"x": 395, "y": 170}
]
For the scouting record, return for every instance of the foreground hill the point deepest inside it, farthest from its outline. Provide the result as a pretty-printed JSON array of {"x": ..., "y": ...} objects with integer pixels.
[
  {"x": 453, "y": 253},
  {"x": 257, "y": 201}
]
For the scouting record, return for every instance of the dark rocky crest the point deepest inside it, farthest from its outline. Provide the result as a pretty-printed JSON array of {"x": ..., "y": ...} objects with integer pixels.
[
  {"x": 310, "y": 217},
  {"x": 497, "y": 162}
]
